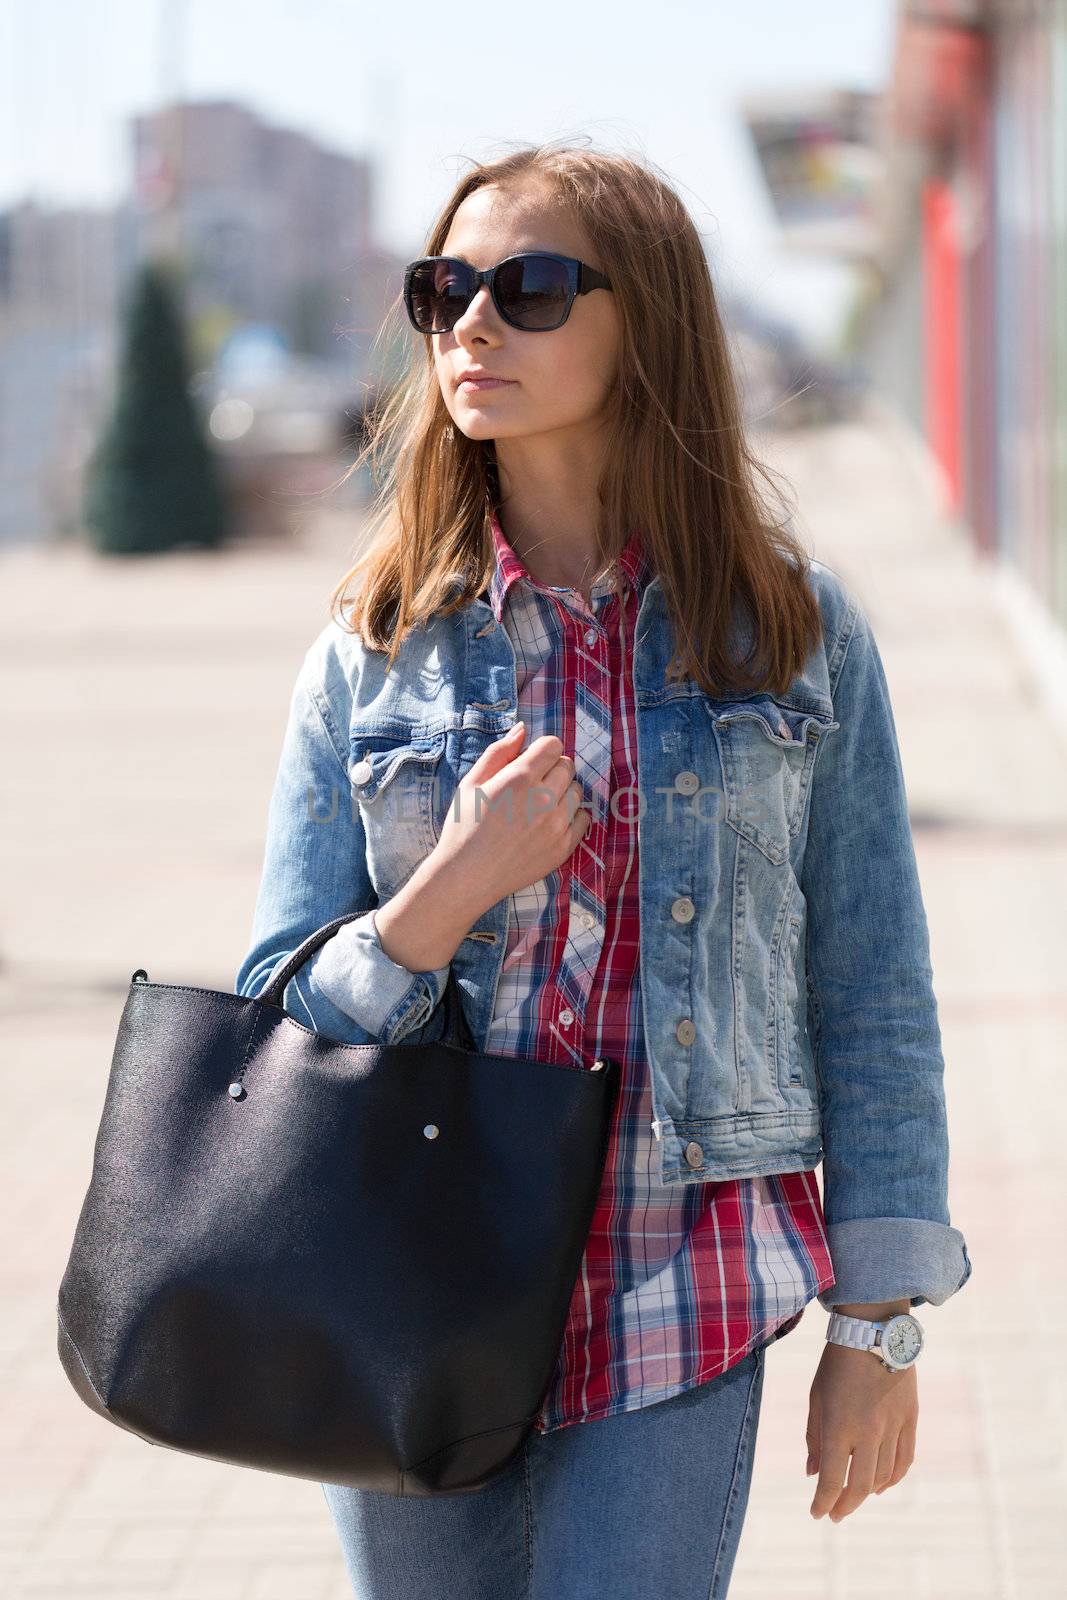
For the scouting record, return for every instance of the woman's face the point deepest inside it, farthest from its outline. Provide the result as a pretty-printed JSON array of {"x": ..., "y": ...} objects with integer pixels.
[{"x": 560, "y": 378}]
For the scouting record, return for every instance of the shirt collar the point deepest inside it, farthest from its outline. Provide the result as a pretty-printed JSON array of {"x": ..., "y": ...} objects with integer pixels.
[{"x": 511, "y": 569}]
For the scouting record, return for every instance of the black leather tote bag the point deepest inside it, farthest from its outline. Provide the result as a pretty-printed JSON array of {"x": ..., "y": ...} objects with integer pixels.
[{"x": 349, "y": 1263}]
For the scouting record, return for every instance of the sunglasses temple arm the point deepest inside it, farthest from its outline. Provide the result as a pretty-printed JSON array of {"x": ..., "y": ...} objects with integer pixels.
[{"x": 590, "y": 278}]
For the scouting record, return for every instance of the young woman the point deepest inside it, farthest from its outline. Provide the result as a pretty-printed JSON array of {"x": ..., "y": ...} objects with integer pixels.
[{"x": 621, "y": 755}]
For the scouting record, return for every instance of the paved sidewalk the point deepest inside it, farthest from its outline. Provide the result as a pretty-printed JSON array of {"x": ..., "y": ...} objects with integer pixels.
[{"x": 144, "y": 711}]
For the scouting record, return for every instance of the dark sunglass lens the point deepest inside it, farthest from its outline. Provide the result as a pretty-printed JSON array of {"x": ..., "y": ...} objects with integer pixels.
[
  {"x": 438, "y": 294},
  {"x": 534, "y": 291}
]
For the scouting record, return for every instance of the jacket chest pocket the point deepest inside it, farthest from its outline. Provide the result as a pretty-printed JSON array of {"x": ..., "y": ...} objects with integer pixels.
[
  {"x": 767, "y": 752},
  {"x": 393, "y": 783}
]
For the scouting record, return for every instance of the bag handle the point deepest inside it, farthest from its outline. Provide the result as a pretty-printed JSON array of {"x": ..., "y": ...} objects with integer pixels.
[{"x": 456, "y": 1032}]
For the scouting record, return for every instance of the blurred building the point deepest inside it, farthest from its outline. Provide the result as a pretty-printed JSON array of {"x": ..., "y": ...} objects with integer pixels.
[
  {"x": 60, "y": 270},
  {"x": 970, "y": 330},
  {"x": 273, "y": 229}
]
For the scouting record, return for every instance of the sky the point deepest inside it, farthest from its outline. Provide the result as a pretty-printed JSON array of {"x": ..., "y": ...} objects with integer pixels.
[{"x": 422, "y": 89}]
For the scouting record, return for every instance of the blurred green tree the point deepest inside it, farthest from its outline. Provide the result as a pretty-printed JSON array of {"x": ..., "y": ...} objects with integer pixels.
[{"x": 152, "y": 482}]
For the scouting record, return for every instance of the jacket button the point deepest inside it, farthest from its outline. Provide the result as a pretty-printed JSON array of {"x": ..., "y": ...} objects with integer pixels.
[
  {"x": 361, "y": 772},
  {"x": 685, "y": 1031},
  {"x": 687, "y": 783},
  {"x": 683, "y": 909},
  {"x": 694, "y": 1154}
]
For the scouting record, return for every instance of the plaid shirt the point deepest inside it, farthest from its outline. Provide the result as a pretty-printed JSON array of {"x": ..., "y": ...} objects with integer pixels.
[{"x": 676, "y": 1283}]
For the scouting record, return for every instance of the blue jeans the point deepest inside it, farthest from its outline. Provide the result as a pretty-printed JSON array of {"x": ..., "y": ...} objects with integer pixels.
[{"x": 644, "y": 1502}]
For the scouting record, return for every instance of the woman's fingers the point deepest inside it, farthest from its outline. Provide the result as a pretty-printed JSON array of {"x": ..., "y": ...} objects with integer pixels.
[{"x": 833, "y": 1464}]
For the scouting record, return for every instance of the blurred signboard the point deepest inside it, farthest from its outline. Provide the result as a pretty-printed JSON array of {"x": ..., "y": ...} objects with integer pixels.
[{"x": 820, "y": 156}]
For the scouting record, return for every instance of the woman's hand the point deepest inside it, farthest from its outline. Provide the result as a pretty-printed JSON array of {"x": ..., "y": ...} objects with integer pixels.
[
  {"x": 858, "y": 1408},
  {"x": 525, "y": 820},
  {"x": 515, "y": 816}
]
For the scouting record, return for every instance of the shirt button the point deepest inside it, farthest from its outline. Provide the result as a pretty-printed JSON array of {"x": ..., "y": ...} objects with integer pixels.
[
  {"x": 566, "y": 1017},
  {"x": 591, "y": 636},
  {"x": 694, "y": 1154},
  {"x": 361, "y": 771},
  {"x": 687, "y": 783},
  {"x": 683, "y": 909},
  {"x": 686, "y": 1031},
  {"x": 587, "y": 919}
]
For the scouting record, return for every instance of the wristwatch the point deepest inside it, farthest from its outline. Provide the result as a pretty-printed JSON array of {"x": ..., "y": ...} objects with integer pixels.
[{"x": 897, "y": 1342}]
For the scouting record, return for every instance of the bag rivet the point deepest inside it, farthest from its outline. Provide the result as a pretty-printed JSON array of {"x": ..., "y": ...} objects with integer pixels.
[
  {"x": 236, "y": 1090},
  {"x": 431, "y": 1130}
]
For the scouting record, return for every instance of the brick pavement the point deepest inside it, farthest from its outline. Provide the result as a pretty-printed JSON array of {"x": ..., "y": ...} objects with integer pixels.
[{"x": 136, "y": 681}]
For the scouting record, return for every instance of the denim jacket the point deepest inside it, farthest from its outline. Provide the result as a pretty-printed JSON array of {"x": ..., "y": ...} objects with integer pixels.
[{"x": 789, "y": 1012}]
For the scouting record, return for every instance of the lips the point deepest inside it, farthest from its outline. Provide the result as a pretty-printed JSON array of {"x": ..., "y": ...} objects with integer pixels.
[{"x": 482, "y": 380}]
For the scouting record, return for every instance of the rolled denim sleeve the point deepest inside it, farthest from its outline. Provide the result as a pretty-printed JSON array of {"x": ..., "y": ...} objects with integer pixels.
[
  {"x": 315, "y": 869},
  {"x": 872, "y": 1009},
  {"x": 354, "y": 972}
]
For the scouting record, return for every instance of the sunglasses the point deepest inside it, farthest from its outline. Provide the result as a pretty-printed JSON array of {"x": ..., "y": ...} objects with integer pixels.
[{"x": 533, "y": 291}]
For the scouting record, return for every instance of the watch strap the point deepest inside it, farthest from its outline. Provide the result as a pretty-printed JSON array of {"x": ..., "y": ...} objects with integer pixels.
[{"x": 860, "y": 1333}]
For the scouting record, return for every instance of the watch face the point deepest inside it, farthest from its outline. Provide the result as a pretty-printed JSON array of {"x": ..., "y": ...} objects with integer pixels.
[{"x": 903, "y": 1340}]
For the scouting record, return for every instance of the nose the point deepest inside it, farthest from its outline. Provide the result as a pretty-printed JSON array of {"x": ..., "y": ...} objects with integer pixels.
[{"x": 481, "y": 303}]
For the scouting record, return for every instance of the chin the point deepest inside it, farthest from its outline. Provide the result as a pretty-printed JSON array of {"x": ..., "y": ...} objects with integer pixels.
[{"x": 477, "y": 427}]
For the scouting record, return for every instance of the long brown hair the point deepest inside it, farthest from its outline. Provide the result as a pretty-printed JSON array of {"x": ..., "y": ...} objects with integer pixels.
[{"x": 679, "y": 468}]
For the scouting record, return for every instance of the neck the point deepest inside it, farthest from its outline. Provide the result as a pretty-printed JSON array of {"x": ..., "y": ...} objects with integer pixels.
[{"x": 549, "y": 510}]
